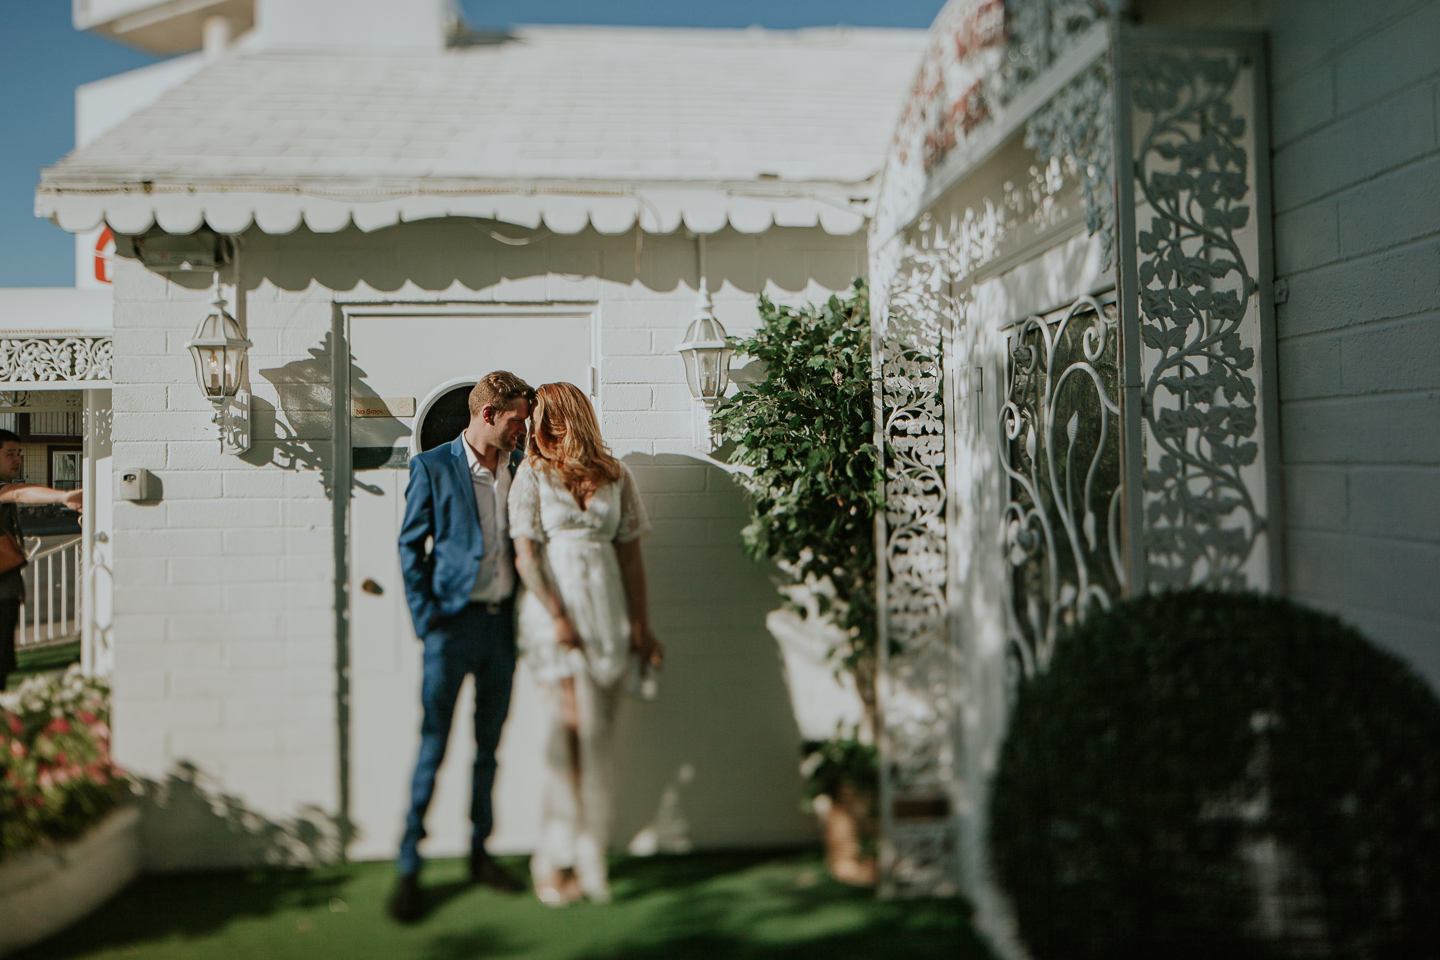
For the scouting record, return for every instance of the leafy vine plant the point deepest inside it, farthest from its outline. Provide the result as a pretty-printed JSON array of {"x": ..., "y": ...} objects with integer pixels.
[
  {"x": 1195, "y": 289},
  {"x": 807, "y": 432}
]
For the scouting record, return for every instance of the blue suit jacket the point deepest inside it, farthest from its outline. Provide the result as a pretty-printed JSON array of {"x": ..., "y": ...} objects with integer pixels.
[{"x": 440, "y": 506}]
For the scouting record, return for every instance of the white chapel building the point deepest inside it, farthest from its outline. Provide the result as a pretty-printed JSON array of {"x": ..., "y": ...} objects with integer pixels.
[{"x": 391, "y": 206}]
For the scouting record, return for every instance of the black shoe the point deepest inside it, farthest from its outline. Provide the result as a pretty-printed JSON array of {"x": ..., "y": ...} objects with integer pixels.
[
  {"x": 404, "y": 904},
  {"x": 486, "y": 871}
]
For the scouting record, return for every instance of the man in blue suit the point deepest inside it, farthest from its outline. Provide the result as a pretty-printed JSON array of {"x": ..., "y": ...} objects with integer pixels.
[{"x": 459, "y": 571}]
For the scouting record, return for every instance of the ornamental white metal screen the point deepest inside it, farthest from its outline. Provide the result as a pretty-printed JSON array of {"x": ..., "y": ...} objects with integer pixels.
[
  {"x": 1074, "y": 354},
  {"x": 1198, "y": 309},
  {"x": 1060, "y": 452}
]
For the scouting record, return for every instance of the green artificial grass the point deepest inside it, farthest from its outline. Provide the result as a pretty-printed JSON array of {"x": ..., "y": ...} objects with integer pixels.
[
  {"x": 752, "y": 906},
  {"x": 44, "y": 660}
]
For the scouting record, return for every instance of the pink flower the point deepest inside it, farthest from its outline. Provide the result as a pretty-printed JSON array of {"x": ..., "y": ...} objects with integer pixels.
[
  {"x": 86, "y": 717},
  {"x": 16, "y": 727},
  {"x": 17, "y": 748},
  {"x": 60, "y": 759},
  {"x": 46, "y": 780},
  {"x": 100, "y": 731},
  {"x": 58, "y": 725}
]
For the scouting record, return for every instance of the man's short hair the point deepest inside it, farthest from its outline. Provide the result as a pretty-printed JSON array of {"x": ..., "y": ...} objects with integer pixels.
[
  {"x": 8, "y": 436},
  {"x": 499, "y": 389}
]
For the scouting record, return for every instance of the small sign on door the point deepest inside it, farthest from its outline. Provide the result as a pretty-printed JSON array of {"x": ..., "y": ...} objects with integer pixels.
[{"x": 383, "y": 406}]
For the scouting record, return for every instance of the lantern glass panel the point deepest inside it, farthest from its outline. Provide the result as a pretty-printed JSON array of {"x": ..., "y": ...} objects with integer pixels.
[
  {"x": 706, "y": 353},
  {"x": 692, "y": 376},
  {"x": 219, "y": 351},
  {"x": 234, "y": 363},
  {"x": 209, "y": 367}
]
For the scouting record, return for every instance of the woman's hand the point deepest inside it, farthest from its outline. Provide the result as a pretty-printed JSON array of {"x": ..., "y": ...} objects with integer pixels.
[
  {"x": 648, "y": 650},
  {"x": 75, "y": 500},
  {"x": 565, "y": 633}
]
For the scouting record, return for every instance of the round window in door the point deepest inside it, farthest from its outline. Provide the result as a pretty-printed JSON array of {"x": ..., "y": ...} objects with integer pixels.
[{"x": 445, "y": 416}]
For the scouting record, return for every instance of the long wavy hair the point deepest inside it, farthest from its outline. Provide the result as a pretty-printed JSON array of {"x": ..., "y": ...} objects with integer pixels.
[{"x": 565, "y": 438}]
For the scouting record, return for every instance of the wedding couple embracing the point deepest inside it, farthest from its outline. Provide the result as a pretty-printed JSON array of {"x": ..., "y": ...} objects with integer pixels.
[{"x": 566, "y": 518}]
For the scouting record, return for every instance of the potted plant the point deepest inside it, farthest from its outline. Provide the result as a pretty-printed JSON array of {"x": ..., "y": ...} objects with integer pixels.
[
  {"x": 805, "y": 433},
  {"x": 66, "y": 842},
  {"x": 841, "y": 779}
]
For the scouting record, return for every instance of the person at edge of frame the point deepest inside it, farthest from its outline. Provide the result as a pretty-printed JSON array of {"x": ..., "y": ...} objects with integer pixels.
[{"x": 12, "y": 582}]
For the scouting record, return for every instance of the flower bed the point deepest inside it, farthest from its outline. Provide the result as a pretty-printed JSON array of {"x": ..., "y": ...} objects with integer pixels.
[{"x": 56, "y": 776}]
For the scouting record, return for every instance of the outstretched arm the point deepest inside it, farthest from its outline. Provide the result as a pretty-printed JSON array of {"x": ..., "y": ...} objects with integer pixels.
[
  {"x": 632, "y": 573},
  {"x": 34, "y": 494},
  {"x": 536, "y": 578}
]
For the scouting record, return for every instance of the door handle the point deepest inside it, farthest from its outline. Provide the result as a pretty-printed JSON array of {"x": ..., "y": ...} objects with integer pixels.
[{"x": 371, "y": 587}]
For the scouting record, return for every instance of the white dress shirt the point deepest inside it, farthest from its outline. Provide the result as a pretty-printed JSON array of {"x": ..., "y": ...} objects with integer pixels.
[{"x": 496, "y": 579}]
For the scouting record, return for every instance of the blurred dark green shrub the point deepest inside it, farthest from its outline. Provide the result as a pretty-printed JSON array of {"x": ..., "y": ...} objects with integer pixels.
[{"x": 1219, "y": 775}]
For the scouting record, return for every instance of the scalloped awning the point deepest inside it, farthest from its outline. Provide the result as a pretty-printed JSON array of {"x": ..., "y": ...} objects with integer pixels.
[
  {"x": 565, "y": 127},
  {"x": 133, "y": 208}
]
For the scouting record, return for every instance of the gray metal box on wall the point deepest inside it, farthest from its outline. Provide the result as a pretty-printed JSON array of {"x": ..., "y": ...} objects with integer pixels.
[{"x": 135, "y": 484}]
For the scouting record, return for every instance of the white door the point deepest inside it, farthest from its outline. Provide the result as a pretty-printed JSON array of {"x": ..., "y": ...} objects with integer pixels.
[{"x": 408, "y": 376}]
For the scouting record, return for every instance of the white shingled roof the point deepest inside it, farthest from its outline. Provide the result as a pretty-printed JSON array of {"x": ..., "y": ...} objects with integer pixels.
[{"x": 560, "y": 125}]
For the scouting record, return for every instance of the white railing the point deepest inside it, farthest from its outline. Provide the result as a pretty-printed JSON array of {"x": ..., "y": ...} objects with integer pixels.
[{"x": 51, "y": 614}]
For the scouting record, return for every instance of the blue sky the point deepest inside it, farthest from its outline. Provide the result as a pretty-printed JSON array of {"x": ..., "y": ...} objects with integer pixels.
[{"x": 43, "y": 59}]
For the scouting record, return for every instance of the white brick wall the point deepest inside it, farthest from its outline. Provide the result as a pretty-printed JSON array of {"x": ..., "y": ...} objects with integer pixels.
[
  {"x": 215, "y": 654},
  {"x": 1356, "y": 101},
  {"x": 225, "y": 623}
]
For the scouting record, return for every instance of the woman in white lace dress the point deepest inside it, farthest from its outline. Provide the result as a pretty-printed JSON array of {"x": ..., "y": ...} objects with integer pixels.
[{"x": 576, "y": 517}]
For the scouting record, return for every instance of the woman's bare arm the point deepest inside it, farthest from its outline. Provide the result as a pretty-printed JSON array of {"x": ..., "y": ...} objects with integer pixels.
[
  {"x": 537, "y": 580},
  {"x": 35, "y": 494},
  {"x": 632, "y": 574}
]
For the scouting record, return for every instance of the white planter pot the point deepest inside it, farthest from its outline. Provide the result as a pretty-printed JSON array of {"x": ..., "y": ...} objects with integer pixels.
[
  {"x": 43, "y": 891},
  {"x": 820, "y": 699}
]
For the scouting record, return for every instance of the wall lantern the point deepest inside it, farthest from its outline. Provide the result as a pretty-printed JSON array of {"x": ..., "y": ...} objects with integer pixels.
[
  {"x": 219, "y": 349},
  {"x": 706, "y": 352}
]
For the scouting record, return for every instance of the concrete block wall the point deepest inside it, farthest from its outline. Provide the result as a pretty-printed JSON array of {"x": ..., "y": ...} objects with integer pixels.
[
  {"x": 1355, "y": 93},
  {"x": 224, "y": 625},
  {"x": 708, "y": 600},
  {"x": 225, "y": 680}
]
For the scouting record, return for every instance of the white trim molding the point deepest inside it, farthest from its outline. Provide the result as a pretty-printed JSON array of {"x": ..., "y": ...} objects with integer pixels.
[{"x": 42, "y": 362}]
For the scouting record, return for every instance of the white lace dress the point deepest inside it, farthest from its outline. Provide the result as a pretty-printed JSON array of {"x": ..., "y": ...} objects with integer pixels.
[{"x": 578, "y": 548}]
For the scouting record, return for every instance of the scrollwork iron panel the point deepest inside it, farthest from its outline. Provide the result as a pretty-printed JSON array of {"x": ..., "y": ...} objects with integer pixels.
[
  {"x": 1135, "y": 443},
  {"x": 1199, "y": 317},
  {"x": 36, "y": 359},
  {"x": 1061, "y": 424},
  {"x": 916, "y": 703}
]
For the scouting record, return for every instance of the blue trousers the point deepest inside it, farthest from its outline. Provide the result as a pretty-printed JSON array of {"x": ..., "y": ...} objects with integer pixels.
[{"x": 481, "y": 643}]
